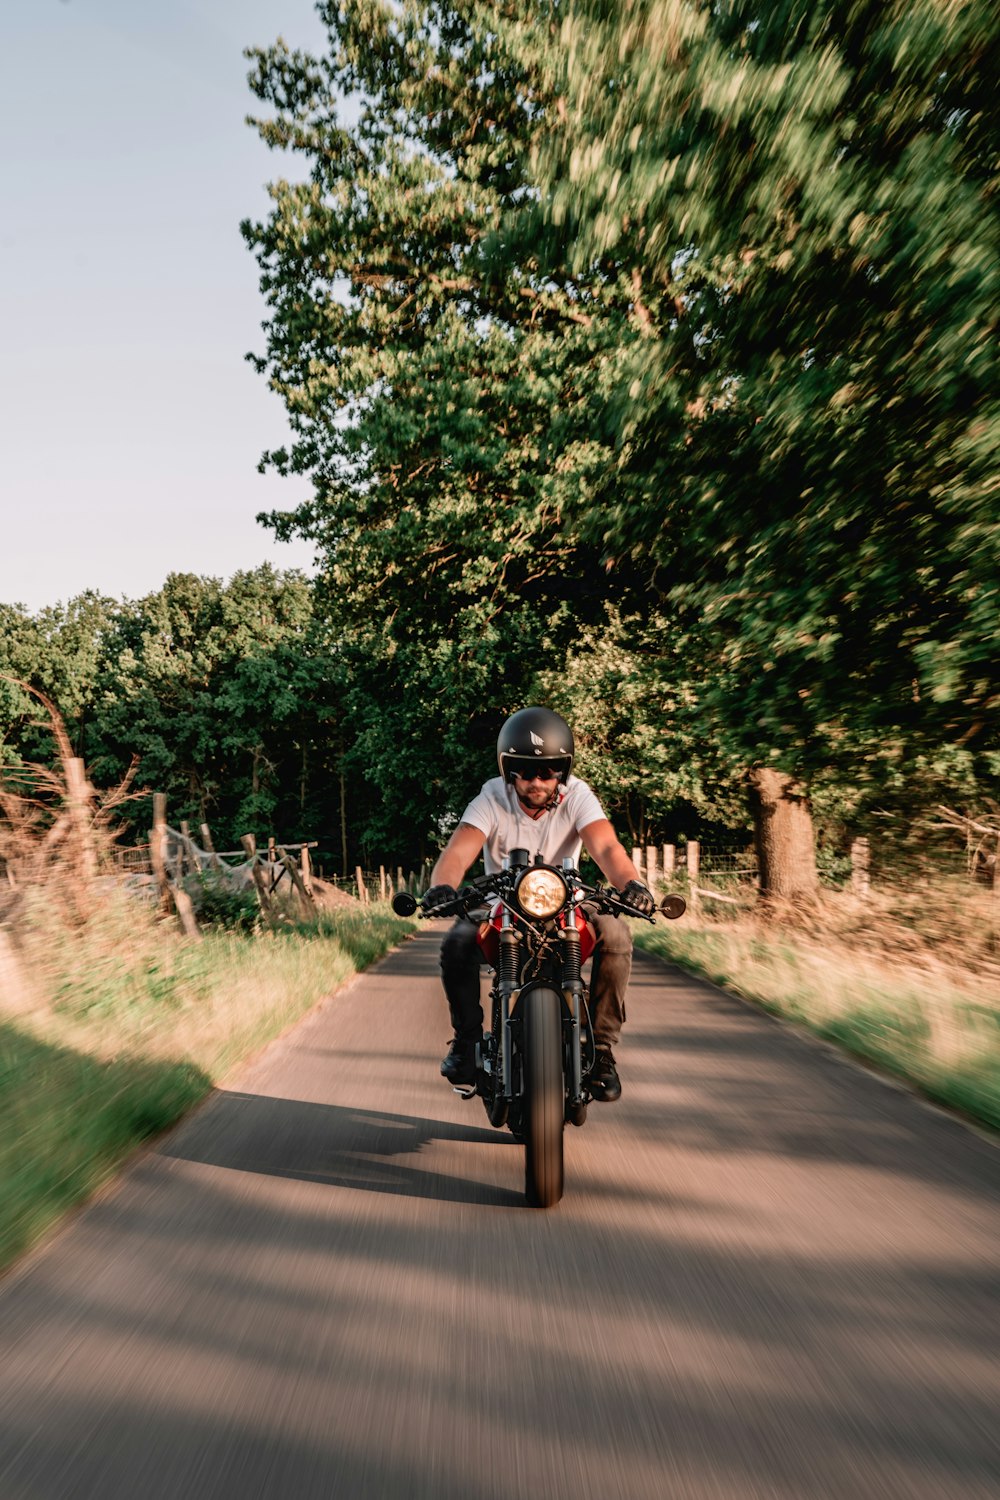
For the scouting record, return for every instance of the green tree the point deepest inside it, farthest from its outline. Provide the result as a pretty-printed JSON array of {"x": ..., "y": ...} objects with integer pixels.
[
  {"x": 633, "y": 690},
  {"x": 221, "y": 690},
  {"x": 231, "y": 696},
  {"x": 442, "y": 399},
  {"x": 680, "y": 310},
  {"x": 63, "y": 651}
]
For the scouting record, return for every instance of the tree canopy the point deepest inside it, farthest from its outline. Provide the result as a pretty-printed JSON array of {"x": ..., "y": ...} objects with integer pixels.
[
  {"x": 806, "y": 197},
  {"x": 227, "y": 694}
]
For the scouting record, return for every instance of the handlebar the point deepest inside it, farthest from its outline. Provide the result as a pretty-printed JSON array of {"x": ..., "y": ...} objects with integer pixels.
[{"x": 475, "y": 891}]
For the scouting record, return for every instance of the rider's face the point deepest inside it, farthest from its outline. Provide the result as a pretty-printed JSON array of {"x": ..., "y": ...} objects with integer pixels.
[{"x": 534, "y": 791}]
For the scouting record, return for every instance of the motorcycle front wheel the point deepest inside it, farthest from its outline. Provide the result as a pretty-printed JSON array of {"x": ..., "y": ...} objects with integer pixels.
[{"x": 543, "y": 1097}]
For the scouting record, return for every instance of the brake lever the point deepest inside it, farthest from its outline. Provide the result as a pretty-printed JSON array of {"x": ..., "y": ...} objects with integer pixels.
[
  {"x": 466, "y": 898},
  {"x": 615, "y": 905}
]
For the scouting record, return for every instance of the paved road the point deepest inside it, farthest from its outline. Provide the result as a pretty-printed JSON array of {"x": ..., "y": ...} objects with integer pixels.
[{"x": 771, "y": 1275}]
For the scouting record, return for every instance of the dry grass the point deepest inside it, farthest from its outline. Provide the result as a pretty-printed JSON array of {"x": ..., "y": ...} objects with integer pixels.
[
  {"x": 909, "y": 980},
  {"x": 56, "y": 829}
]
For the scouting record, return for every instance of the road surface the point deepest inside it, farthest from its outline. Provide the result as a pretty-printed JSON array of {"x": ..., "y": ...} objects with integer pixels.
[{"x": 771, "y": 1275}]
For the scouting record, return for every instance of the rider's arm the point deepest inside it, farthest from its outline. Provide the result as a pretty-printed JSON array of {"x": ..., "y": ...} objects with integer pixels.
[
  {"x": 461, "y": 850},
  {"x": 608, "y": 853}
]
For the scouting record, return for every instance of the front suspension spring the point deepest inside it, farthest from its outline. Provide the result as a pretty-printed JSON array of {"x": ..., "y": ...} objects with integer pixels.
[
  {"x": 571, "y": 957},
  {"x": 510, "y": 958}
]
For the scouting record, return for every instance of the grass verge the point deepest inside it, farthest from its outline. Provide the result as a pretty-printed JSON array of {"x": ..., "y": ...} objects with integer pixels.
[
  {"x": 115, "y": 1029},
  {"x": 886, "y": 997}
]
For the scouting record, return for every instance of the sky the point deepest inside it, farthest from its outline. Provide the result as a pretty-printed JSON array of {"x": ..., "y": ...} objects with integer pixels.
[{"x": 130, "y": 423}]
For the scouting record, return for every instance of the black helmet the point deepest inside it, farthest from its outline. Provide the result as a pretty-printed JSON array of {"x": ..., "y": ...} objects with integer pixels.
[{"x": 533, "y": 735}]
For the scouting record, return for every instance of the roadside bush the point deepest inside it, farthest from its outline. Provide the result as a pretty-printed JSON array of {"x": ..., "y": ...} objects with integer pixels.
[{"x": 218, "y": 905}]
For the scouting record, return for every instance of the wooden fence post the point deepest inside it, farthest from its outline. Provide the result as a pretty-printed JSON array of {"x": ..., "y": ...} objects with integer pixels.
[
  {"x": 400, "y": 882},
  {"x": 693, "y": 869},
  {"x": 185, "y": 912},
  {"x": 362, "y": 888},
  {"x": 307, "y": 871},
  {"x": 171, "y": 892},
  {"x": 209, "y": 847},
  {"x": 250, "y": 848},
  {"x": 381, "y": 883},
  {"x": 651, "y": 875},
  {"x": 308, "y": 904},
  {"x": 669, "y": 860},
  {"x": 637, "y": 860},
  {"x": 861, "y": 868}
]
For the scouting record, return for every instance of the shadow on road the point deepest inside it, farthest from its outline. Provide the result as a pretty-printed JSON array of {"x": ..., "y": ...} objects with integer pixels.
[
  {"x": 755, "y": 1085},
  {"x": 730, "y": 1302},
  {"x": 331, "y": 1144}
]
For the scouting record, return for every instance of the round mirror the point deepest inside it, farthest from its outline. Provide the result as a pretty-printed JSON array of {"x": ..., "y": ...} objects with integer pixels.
[
  {"x": 673, "y": 907},
  {"x": 403, "y": 904}
]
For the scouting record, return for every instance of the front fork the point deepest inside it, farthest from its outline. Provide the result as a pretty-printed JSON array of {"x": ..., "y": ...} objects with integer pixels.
[
  {"x": 508, "y": 975},
  {"x": 573, "y": 994}
]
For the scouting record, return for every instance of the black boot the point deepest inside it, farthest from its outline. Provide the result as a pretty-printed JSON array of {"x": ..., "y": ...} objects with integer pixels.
[
  {"x": 459, "y": 1067},
  {"x": 605, "y": 1084}
]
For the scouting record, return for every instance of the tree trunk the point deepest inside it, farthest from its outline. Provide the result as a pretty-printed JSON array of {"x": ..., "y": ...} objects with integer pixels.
[
  {"x": 783, "y": 833},
  {"x": 343, "y": 826}
]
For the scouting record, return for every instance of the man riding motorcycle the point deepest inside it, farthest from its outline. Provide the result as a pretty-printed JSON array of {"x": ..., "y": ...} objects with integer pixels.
[{"x": 536, "y": 804}]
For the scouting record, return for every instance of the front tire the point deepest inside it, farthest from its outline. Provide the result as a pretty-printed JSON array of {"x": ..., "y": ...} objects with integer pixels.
[{"x": 543, "y": 1097}]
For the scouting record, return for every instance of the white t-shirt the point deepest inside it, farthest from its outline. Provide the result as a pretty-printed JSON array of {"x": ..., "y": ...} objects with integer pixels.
[{"x": 498, "y": 814}]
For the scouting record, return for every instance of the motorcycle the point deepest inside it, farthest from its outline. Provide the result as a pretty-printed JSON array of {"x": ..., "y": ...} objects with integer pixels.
[{"x": 533, "y": 1065}]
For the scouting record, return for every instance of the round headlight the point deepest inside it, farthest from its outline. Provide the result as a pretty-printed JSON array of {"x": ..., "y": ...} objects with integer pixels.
[{"x": 541, "y": 893}]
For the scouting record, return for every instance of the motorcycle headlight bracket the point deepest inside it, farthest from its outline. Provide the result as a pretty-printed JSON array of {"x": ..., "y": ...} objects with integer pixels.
[{"x": 541, "y": 892}]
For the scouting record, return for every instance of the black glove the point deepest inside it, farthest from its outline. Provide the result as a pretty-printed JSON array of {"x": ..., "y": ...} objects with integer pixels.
[
  {"x": 438, "y": 895},
  {"x": 637, "y": 895}
]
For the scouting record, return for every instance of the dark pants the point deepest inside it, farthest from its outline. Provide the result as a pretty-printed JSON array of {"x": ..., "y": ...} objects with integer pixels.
[{"x": 611, "y": 966}]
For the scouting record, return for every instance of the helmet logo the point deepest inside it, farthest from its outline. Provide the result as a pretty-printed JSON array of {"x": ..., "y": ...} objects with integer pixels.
[{"x": 536, "y": 739}]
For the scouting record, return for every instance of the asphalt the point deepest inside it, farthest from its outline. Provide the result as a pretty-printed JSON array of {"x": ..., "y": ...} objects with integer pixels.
[{"x": 771, "y": 1275}]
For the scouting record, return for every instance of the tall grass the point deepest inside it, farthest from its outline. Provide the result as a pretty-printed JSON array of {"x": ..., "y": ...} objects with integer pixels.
[
  {"x": 115, "y": 1027},
  {"x": 908, "y": 980}
]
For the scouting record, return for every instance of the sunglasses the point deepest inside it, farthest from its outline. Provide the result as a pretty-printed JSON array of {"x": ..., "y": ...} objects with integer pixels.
[{"x": 540, "y": 770}]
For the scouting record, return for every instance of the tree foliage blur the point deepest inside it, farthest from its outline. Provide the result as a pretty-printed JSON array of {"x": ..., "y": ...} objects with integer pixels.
[
  {"x": 227, "y": 694},
  {"x": 805, "y": 198},
  {"x": 453, "y": 406},
  {"x": 663, "y": 312}
]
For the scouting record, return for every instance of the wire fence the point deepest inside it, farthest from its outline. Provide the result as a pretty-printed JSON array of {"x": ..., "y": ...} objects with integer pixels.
[
  {"x": 713, "y": 867},
  {"x": 729, "y": 861}
]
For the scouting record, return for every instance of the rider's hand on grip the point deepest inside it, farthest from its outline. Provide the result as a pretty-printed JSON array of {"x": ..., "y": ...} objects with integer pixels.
[
  {"x": 438, "y": 895},
  {"x": 635, "y": 894}
]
